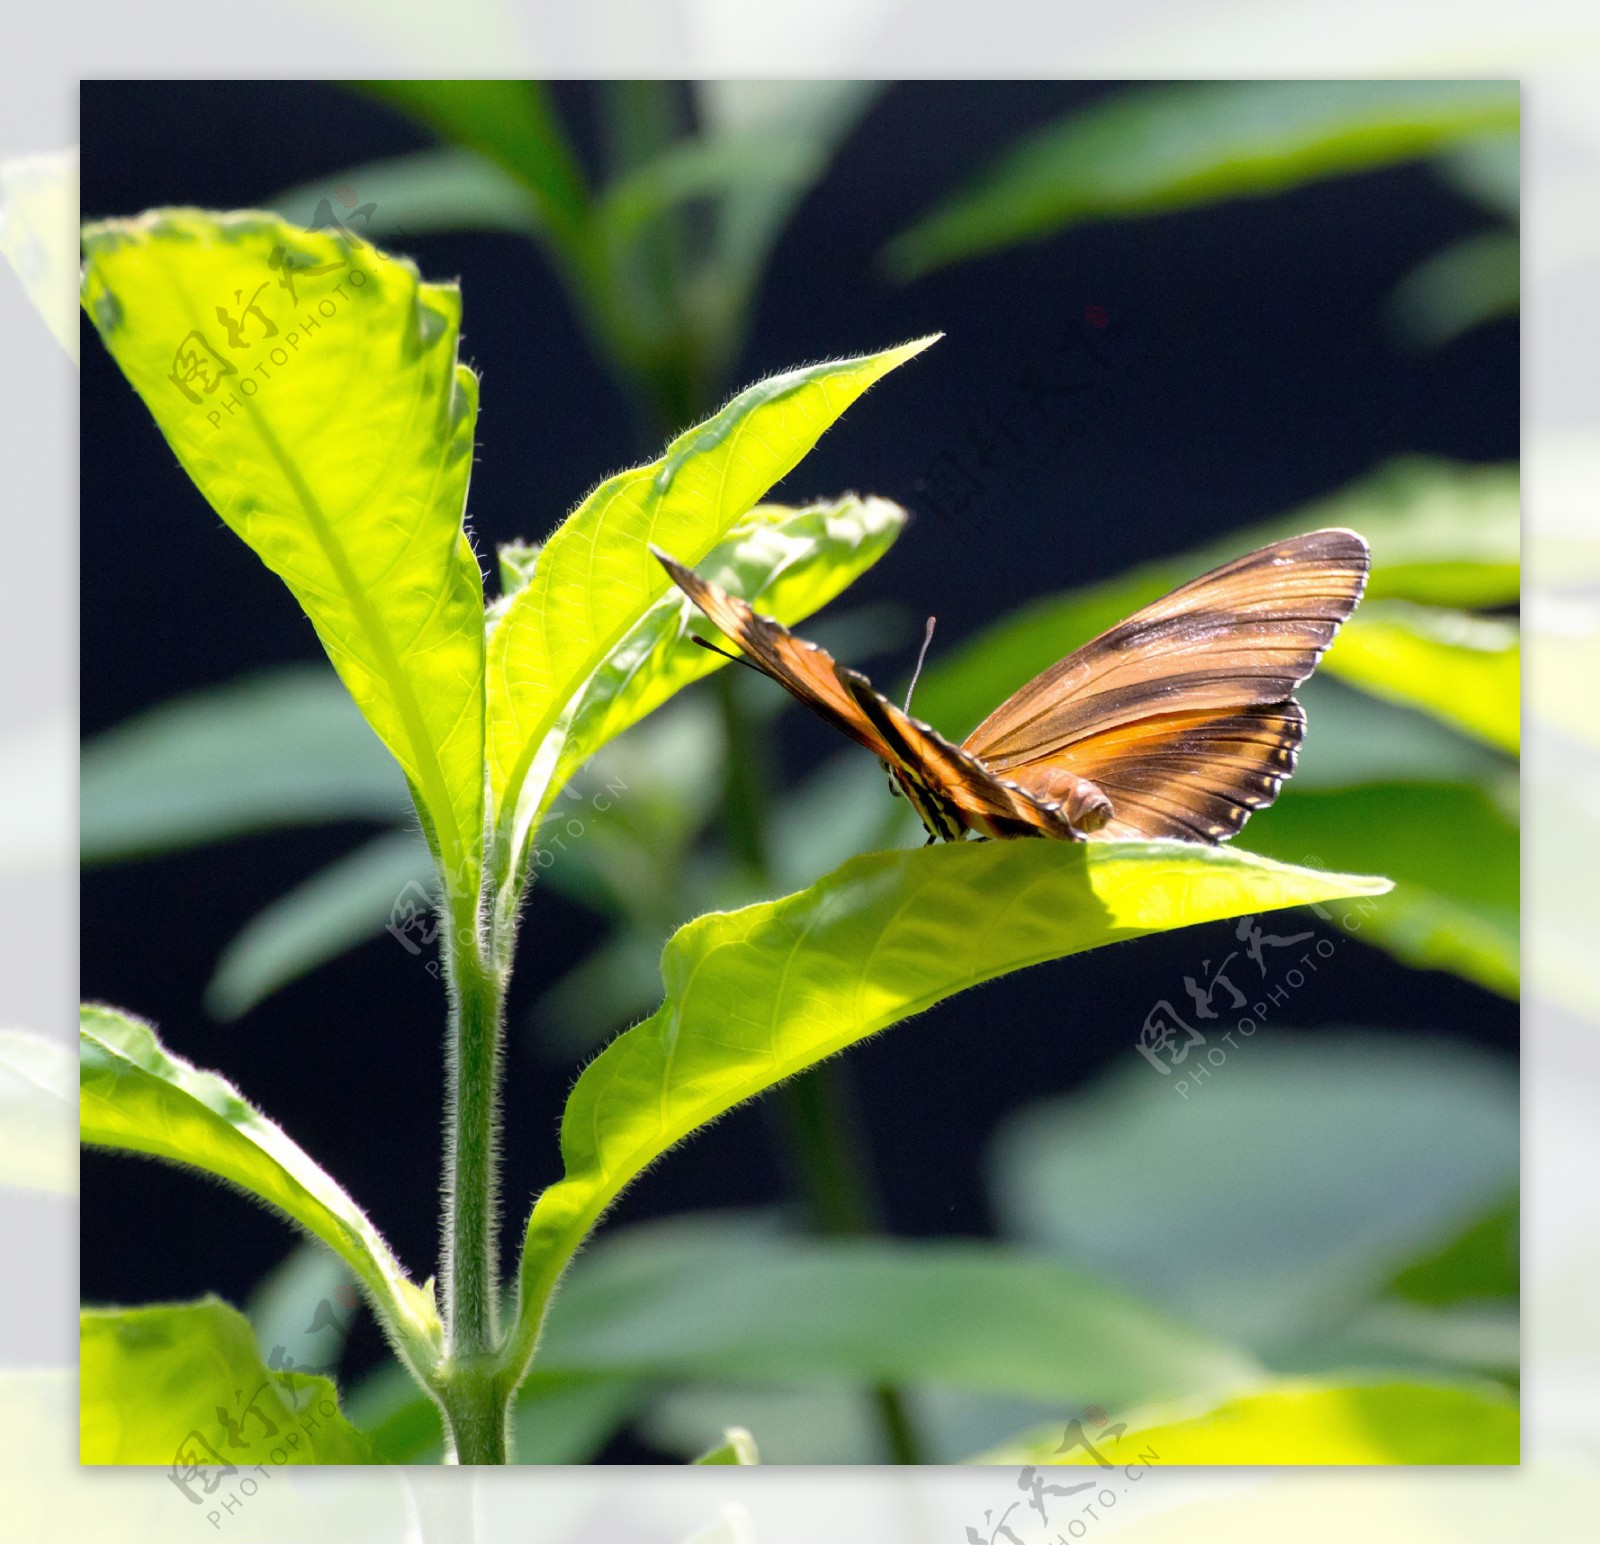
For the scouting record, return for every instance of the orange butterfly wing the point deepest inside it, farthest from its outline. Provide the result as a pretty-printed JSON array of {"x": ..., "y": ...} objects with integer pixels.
[
  {"x": 807, "y": 670},
  {"x": 951, "y": 789},
  {"x": 1182, "y": 715}
]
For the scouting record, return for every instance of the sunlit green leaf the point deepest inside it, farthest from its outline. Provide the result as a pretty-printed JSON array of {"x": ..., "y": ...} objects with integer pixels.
[
  {"x": 1472, "y": 281},
  {"x": 1301, "y": 1423},
  {"x": 325, "y": 417},
  {"x": 37, "y": 1105},
  {"x": 785, "y": 562},
  {"x": 1164, "y": 147},
  {"x": 183, "y": 1385},
  {"x": 336, "y": 909},
  {"x": 136, "y": 1097},
  {"x": 1440, "y": 533},
  {"x": 737, "y": 1448},
  {"x": 595, "y": 578},
  {"x": 1289, "y": 1218},
  {"x": 1465, "y": 670},
  {"x": 280, "y": 748},
  {"x": 1454, "y": 856},
  {"x": 755, "y": 996}
]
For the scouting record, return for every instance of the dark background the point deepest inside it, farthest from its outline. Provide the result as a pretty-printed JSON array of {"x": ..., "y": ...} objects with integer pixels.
[{"x": 1252, "y": 372}]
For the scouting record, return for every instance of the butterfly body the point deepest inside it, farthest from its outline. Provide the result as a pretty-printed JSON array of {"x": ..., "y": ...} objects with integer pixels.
[{"x": 1178, "y": 722}]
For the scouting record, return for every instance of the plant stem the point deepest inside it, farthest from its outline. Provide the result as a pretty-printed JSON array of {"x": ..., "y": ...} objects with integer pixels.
[
  {"x": 474, "y": 1402},
  {"x": 820, "y": 1133}
]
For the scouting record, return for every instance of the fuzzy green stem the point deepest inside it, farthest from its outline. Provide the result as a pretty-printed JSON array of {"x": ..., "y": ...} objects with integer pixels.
[{"x": 474, "y": 1402}]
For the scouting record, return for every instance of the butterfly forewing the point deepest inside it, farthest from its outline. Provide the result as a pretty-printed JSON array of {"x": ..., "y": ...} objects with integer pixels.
[{"x": 806, "y": 669}]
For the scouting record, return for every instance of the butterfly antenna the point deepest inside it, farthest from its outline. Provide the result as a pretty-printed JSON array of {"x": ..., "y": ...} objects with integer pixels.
[
  {"x": 738, "y": 659},
  {"x": 922, "y": 654}
]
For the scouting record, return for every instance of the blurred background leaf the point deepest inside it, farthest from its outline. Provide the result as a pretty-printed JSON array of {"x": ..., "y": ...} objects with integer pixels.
[
  {"x": 281, "y": 748},
  {"x": 1463, "y": 669},
  {"x": 1453, "y": 851},
  {"x": 1151, "y": 149},
  {"x": 1277, "y": 1199},
  {"x": 1472, "y": 281}
]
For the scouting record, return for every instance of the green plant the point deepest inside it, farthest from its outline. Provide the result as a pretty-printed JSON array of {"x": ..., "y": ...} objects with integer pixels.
[
  {"x": 344, "y": 466},
  {"x": 660, "y": 244}
]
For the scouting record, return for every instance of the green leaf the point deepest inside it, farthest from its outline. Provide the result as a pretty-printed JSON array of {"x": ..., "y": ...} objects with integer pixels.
[
  {"x": 279, "y": 748},
  {"x": 161, "y": 1386},
  {"x": 333, "y": 432},
  {"x": 1472, "y": 281},
  {"x": 1489, "y": 172},
  {"x": 755, "y": 996},
  {"x": 1440, "y": 533},
  {"x": 1480, "y": 1262},
  {"x": 786, "y": 562},
  {"x": 1158, "y": 148},
  {"x": 595, "y": 578},
  {"x": 761, "y": 146},
  {"x": 1352, "y": 738},
  {"x": 1290, "y": 1217},
  {"x": 136, "y": 1097},
  {"x": 709, "y": 1300},
  {"x": 513, "y": 124},
  {"x": 387, "y": 881},
  {"x": 442, "y": 189},
  {"x": 1454, "y": 856},
  {"x": 39, "y": 236},
  {"x": 1302, "y": 1422},
  {"x": 737, "y": 1448},
  {"x": 36, "y": 1110},
  {"x": 1462, "y": 669}
]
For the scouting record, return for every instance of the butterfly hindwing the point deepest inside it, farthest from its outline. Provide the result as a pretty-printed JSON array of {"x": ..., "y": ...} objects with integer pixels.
[{"x": 1197, "y": 776}]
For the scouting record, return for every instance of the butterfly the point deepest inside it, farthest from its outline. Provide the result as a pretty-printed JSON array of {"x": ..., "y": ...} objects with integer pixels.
[{"x": 1179, "y": 722}]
